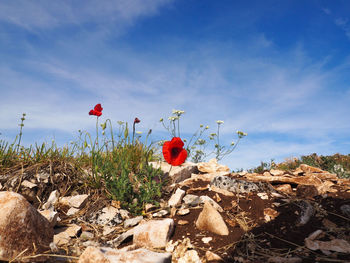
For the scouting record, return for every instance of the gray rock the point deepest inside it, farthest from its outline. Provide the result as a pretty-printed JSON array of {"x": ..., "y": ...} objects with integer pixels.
[{"x": 132, "y": 221}]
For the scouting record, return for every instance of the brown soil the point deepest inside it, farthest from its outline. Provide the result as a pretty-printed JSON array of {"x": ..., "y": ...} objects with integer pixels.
[
  {"x": 252, "y": 236},
  {"x": 251, "y": 239}
]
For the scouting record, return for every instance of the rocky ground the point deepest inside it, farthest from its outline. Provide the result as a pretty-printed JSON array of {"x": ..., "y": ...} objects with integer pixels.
[{"x": 207, "y": 214}]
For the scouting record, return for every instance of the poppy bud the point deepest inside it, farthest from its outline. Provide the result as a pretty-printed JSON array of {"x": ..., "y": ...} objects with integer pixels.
[{"x": 136, "y": 120}]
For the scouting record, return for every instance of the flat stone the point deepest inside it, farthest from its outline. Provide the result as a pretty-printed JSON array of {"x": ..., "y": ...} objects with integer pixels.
[
  {"x": 176, "y": 198},
  {"x": 110, "y": 255},
  {"x": 212, "y": 167},
  {"x": 28, "y": 184},
  {"x": 132, "y": 221},
  {"x": 276, "y": 172},
  {"x": 153, "y": 233},
  {"x": 76, "y": 201},
  {"x": 192, "y": 200}
]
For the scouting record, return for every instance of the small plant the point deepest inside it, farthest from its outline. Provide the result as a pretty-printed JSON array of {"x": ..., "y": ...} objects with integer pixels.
[
  {"x": 196, "y": 145},
  {"x": 20, "y": 131}
]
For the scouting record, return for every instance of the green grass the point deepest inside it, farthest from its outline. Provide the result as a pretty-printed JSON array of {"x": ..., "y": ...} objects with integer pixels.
[{"x": 117, "y": 167}]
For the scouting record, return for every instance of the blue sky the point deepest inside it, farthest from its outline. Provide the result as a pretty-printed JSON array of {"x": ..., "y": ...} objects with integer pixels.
[{"x": 278, "y": 70}]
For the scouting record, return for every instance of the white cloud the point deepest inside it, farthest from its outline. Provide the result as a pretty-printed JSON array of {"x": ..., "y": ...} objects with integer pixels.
[{"x": 49, "y": 14}]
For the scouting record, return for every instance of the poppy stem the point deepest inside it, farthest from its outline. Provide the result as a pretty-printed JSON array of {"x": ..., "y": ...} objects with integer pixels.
[
  {"x": 97, "y": 131},
  {"x": 133, "y": 132},
  {"x": 170, "y": 169}
]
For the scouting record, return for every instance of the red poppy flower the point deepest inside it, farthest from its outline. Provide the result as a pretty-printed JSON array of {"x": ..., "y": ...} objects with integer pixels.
[
  {"x": 97, "y": 111},
  {"x": 136, "y": 120},
  {"x": 173, "y": 151}
]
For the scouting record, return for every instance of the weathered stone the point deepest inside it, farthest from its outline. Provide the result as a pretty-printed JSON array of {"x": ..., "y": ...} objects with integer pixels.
[
  {"x": 210, "y": 256},
  {"x": 276, "y": 172},
  {"x": 212, "y": 167},
  {"x": 161, "y": 213},
  {"x": 234, "y": 185},
  {"x": 64, "y": 234},
  {"x": 183, "y": 211},
  {"x": 52, "y": 200},
  {"x": 154, "y": 233},
  {"x": 72, "y": 211},
  {"x": 176, "y": 198},
  {"x": 22, "y": 228},
  {"x": 192, "y": 200},
  {"x": 190, "y": 256},
  {"x": 310, "y": 169},
  {"x": 206, "y": 240},
  {"x": 210, "y": 220},
  {"x": 76, "y": 201},
  {"x": 285, "y": 188},
  {"x": 177, "y": 173},
  {"x": 51, "y": 216},
  {"x": 132, "y": 221},
  {"x": 338, "y": 245},
  {"x": 107, "y": 216},
  {"x": 306, "y": 191},
  {"x": 208, "y": 176},
  {"x": 220, "y": 191},
  {"x": 28, "y": 184},
  {"x": 205, "y": 198},
  {"x": 109, "y": 255},
  {"x": 86, "y": 235}
]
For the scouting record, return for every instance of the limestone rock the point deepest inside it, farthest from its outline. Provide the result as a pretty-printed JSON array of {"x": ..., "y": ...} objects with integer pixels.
[
  {"x": 52, "y": 200},
  {"x": 51, "y": 216},
  {"x": 210, "y": 220},
  {"x": 212, "y": 167},
  {"x": 21, "y": 226},
  {"x": 153, "y": 233},
  {"x": 76, "y": 201},
  {"x": 177, "y": 173},
  {"x": 108, "y": 215},
  {"x": 176, "y": 198},
  {"x": 285, "y": 188},
  {"x": 109, "y": 255},
  {"x": 132, "y": 221},
  {"x": 310, "y": 169},
  {"x": 276, "y": 172},
  {"x": 210, "y": 256}
]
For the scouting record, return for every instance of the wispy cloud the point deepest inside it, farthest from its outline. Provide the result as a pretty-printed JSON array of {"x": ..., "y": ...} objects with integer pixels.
[{"x": 50, "y": 14}]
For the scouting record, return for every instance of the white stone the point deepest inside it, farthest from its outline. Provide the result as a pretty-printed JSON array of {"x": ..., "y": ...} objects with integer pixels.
[
  {"x": 161, "y": 213},
  {"x": 28, "y": 184},
  {"x": 51, "y": 216},
  {"x": 191, "y": 256},
  {"x": 19, "y": 219},
  {"x": 132, "y": 221},
  {"x": 192, "y": 200},
  {"x": 176, "y": 198},
  {"x": 205, "y": 198},
  {"x": 153, "y": 233},
  {"x": 177, "y": 173},
  {"x": 52, "y": 200},
  {"x": 276, "y": 172},
  {"x": 212, "y": 167},
  {"x": 109, "y": 215},
  {"x": 76, "y": 201},
  {"x": 109, "y": 255},
  {"x": 183, "y": 211},
  {"x": 72, "y": 211},
  {"x": 210, "y": 256},
  {"x": 206, "y": 240},
  {"x": 211, "y": 220}
]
